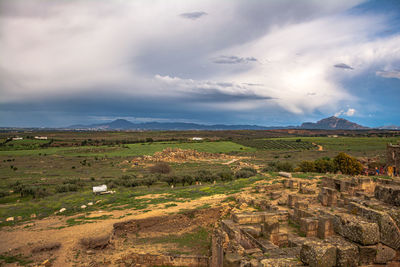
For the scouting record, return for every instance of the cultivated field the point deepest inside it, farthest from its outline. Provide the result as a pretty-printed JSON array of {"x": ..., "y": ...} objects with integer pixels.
[{"x": 41, "y": 177}]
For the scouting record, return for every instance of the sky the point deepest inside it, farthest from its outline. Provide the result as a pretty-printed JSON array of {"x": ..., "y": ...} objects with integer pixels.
[{"x": 264, "y": 62}]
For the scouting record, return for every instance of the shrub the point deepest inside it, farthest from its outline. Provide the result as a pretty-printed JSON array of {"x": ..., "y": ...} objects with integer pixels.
[
  {"x": 34, "y": 191},
  {"x": 75, "y": 181},
  {"x": 127, "y": 181},
  {"x": 66, "y": 188},
  {"x": 306, "y": 166},
  {"x": 148, "y": 181},
  {"x": 160, "y": 167},
  {"x": 186, "y": 179},
  {"x": 244, "y": 174},
  {"x": 278, "y": 166},
  {"x": 4, "y": 193},
  {"x": 226, "y": 176},
  {"x": 170, "y": 179},
  {"x": 325, "y": 165},
  {"x": 249, "y": 169},
  {"x": 205, "y": 176},
  {"x": 347, "y": 164}
]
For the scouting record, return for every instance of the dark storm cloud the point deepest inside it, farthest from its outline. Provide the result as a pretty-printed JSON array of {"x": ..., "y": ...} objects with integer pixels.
[
  {"x": 216, "y": 96},
  {"x": 68, "y": 111},
  {"x": 343, "y": 66},
  {"x": 233, "y": 60},
  {"x": 193, "y": 15}
]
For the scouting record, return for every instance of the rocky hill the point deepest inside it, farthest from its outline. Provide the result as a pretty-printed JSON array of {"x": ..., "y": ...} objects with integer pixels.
[{"x": 333, "y": 123}]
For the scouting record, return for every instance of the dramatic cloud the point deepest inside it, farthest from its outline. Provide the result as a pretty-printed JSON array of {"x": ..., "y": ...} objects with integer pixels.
[
  {"x": 389, "y": 74},
  {"x": 343, "y": 66},
  {"x": 193, "y": 15},
  {"x": 241, "y": 60}
]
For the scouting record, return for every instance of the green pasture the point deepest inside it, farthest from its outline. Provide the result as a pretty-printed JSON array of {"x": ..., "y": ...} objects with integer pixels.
[{"x": 137, "y": 149}]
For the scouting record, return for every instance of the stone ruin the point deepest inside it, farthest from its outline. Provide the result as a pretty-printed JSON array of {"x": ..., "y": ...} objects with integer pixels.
[
  {"x": 335, "y": 222},
  {"x": 393, "y": 156}
]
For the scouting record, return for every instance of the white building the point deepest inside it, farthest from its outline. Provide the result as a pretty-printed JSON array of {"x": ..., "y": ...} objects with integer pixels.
[
  {"x": 197, "y": 138},
  {"x": 41, "y": 137},
  {"x": 17, "y": 138}
]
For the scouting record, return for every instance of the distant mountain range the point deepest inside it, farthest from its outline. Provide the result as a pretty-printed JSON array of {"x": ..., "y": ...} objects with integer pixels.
[
  {"x": 122, "y": 124},
  {"x": 331, "y": 123},
  {"x": 389, "y": 127}
]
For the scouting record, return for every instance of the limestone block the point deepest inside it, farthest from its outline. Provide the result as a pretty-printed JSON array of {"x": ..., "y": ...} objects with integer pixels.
[
  {"x": 325, "y": 227},
  {"x": 384, "y": 254},
  {"x": 318, "y": 254},
  {"x": 309, "y": 226},
  {"x": 356, "y": 230}
]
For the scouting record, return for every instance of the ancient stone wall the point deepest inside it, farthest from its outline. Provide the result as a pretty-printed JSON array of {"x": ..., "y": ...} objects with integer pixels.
[
  {"x": 393, "y": 155},
  {"x": 135, "y": 259}
]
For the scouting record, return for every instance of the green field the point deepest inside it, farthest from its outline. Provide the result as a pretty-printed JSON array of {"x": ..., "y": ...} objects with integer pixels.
[
  {"x": 127, "y": 150},
  {"x": 278, "y": 144},
  {"x": 64, "y": 168},
  {"x": 351, "y": 144}
]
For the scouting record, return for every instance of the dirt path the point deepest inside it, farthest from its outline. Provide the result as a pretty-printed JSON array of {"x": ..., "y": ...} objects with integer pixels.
[
  {"x": 23, "y": 239},
  {"x": 230, "y": 162}
]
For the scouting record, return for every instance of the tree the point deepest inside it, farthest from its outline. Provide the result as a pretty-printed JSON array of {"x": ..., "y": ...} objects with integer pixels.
[
  {"x": 325, "y": 165},
  {"x": 347, "y": 164},
  {"x": 160, "y": 167},
  {"x": 307, "y": 166},
  {"x": 149, "y": 181}
]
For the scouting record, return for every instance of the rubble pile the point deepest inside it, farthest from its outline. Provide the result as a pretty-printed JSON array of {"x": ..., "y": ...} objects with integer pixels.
[
  {"x": 335, "y": 222},
  {"x": 181, "y": 155}
]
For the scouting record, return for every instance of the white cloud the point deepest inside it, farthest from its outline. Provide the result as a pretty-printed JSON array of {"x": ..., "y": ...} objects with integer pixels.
[
  {"x": 54, "y": 49},
  {"x": 350, "y": 112}
]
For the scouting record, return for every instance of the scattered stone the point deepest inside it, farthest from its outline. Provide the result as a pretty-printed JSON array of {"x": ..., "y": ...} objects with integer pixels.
[
  {"x": 98, "y": 201},
  {"x": 90, "y": 252},
  {"x": 285, "y": 174},
  {"x": 275, "y": 195},
  {"x": 282, "y": 202},
  {"x": 10, "y": 219},
  {"x": 384, "y": 254},
  {"x": 90, "y": 204},
  {"x": 83, "y": 207},
  {"x": 318, "y": 254},
  {"x": 280, "y": 262},
  {"x": 46, "y": 247},
  {"x": 99, "y": 242},
  {"x": 62, "y": 210},
  {"x": 232, "y": 259},
  {"x": 46, "y": 263}
]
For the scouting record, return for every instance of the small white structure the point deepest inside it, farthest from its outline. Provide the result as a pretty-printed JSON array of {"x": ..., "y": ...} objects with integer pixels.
[
  {"x": 17, "y": 138},
  {"x": 99, "y": 189},
  {"x": 41, "y": 137},
  {"x": 197, "y": 138}
]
